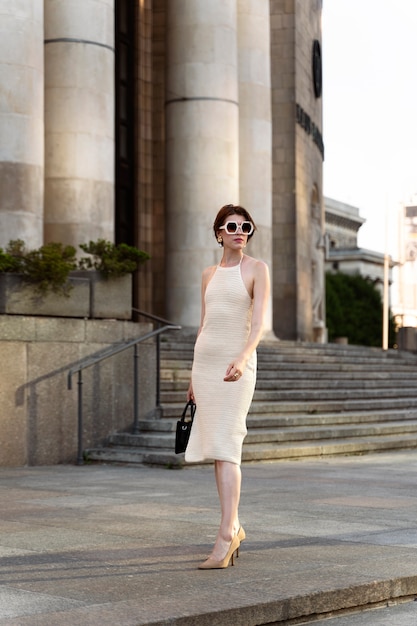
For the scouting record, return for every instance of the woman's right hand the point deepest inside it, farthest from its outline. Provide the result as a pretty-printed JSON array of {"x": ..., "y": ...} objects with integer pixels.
[{"x": 190, "y": 393}]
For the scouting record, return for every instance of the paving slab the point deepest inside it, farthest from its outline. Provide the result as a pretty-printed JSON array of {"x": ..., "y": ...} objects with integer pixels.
[
  {"x": 403, "y": 614},
  {"x": 105, "y": 544}
]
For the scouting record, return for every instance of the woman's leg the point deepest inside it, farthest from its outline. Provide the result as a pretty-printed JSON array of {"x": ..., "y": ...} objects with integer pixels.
[{"x": 228, "y": 481}]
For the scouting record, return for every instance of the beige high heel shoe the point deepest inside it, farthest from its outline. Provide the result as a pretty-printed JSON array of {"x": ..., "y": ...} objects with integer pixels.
[
  {"x": 213, "y": 564},
  {"x": 241, "y": 535}
]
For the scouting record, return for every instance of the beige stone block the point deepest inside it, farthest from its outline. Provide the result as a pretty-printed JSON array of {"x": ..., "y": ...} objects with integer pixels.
[
  {"x": 79, "y": 232},
  {"x": 104, "y": 331},
  {"x": 199, "y": 121},
  {"x": 204, "y": 80},
  {"x": 13, "y": 438},
  {"x": 21, "y": 41},
  {"x": 213, "y": 192},
  {"x": 111, "y": 297},
  {"x": 22, "y": 97},
  {"x": 79, "y": 110},
  {"x": 94, "y": 75},
  {"x": 22, "y": 139},
  {"x": 114, "y": 331},
  {"x": 100, "y": 163},
  {"x": 81, "y": 19},
  {"x": 54, "y": 329},
  {"x": 51, "y": 407},
  {"x": 254, "y": 66},
  {"x": 204, "y": 43},
  {"x": 21, "y": 194},
  {"x": 17, "y": 328},
  {"x": 60, "y": 155},
  {"x": 74, "y": 197},
  {"x": 193, "y": 13},
  {"x": 199, "y": 154},
  {"x": 90, "y": 157},
  {"x": 254, "y": 101}
]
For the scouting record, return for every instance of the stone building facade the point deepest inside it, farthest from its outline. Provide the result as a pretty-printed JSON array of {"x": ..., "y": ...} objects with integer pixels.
[{"x": 135, "y": 121}]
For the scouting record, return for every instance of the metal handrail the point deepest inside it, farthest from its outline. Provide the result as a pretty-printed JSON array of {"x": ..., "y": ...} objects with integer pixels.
[
  {"x": 160, "y": 320},
  {"x": 111, "y": 351}
]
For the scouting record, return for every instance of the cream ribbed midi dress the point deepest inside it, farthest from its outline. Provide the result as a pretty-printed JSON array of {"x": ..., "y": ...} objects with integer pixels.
[{"x": 220, "y": 420}]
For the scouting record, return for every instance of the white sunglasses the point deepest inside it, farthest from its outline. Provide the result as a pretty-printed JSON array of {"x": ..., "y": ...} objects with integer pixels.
[{"x": 246, "y": 228}]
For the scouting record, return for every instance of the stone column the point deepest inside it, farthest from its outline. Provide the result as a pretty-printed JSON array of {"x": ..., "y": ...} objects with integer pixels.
[
  {"x": 21, "y": 122},
  {"x": 255, "y": 124},
  {"x": 202, "y": 143},
  {"x": 79, "y": 120}
]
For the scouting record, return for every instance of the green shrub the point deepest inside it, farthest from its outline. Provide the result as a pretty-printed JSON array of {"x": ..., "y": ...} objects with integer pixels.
[
  {"x": 48, "y": 267},
  {"x": 111, "y": 259},
  {"x": 12, "y": 260},
  {"x": 354, "y": 310}
]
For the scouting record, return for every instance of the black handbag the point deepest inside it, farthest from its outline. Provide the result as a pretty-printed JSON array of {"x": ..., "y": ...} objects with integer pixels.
[{"x": 184, "y": 428}]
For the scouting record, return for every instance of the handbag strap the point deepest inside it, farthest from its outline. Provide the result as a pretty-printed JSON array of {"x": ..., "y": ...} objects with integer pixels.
[{"x": 190, "y": 404}]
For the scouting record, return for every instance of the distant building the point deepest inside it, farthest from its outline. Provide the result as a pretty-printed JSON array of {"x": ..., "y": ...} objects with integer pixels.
[
  {"x": 405, "y": 309},
  {"x": 342, "y": 224}
]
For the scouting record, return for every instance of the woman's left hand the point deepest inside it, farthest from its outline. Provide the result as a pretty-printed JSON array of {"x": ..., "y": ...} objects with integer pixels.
[{"x": 234, "y": 372}]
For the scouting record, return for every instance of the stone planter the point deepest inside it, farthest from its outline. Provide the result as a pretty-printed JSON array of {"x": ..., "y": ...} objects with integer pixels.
[
  {"x": 18, "y": 297},
  {"x": 110, "y": 297},
  {"x": 92, "y": 296}
]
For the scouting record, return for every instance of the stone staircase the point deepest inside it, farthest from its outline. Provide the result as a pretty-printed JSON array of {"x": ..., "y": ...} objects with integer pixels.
[{"x": 311, "y": 400}]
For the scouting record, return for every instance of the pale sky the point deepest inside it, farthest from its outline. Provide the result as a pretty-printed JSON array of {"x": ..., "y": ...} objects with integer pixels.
[{"x": 369, "y": 50}]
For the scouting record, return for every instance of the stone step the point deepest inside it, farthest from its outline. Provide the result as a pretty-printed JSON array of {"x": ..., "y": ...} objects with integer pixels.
[
  {"x": 326, "y": 354},
  {"x": 343, "y": 351},
  {"x": 337, "y": 393},
  {"x": 143, "y": 456},
  {"x": 335, "y": 374},
  {"x": 331, "y": 431},
  {"x": 261, "y": 452},
  {"x": 171, "y": 360},
  {"x": 326, "y": 406},
  {"x": 284, "y": 363},
  {"x": 311, "y": 395},
  {"x": 172, "y": 389},
  {"x": 299, "y": 350},
  {"x": 264, "y": 420},
  {"x": 172, "y": 410},
  {"x": 288, "y": 434},
  {"x": 314, "y": 374},
  {"x": 329, "y": 447}
]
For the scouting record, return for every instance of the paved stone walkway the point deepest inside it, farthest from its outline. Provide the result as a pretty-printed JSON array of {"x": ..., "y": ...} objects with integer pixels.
[{"x": 116, "y": 545}]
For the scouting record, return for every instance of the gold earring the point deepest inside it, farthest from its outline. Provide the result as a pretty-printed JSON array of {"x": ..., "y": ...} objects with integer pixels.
[{"x": 219, "y": 240}]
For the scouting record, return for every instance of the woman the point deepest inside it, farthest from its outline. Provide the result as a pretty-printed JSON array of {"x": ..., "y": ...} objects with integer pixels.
[{"x": 235, "y": 297}]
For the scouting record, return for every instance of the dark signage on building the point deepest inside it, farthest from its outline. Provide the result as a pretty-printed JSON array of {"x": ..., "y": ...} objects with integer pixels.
[{"x": 305, "y": 121}]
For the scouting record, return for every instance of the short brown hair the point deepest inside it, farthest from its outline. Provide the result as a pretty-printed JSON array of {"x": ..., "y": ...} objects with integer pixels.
[{"x": 226, "y": 211}]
